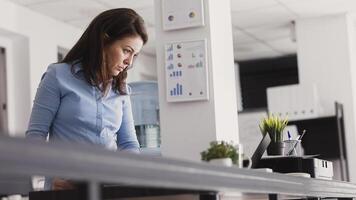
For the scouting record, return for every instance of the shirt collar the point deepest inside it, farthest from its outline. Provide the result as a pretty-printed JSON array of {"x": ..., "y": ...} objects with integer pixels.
[{"x": 77, "y": 67}]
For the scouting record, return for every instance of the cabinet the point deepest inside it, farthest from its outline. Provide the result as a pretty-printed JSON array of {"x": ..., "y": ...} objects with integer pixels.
[{"x": 325, "y": 137}]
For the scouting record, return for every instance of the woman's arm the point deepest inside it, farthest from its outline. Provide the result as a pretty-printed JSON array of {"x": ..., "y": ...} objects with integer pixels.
[
  {"x": 127, "y": 139},
  {"x": 45, "y": 106}
]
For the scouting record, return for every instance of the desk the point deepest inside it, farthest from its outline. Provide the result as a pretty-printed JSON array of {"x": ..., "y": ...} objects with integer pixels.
[{"x": 94, "y": 165}]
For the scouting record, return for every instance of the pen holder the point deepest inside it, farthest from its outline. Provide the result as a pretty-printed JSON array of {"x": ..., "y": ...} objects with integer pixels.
[{"x": 292, "y": 148}]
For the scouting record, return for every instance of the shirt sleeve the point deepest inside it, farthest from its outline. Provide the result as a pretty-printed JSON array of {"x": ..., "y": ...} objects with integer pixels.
[
  {"x": 45, "y": 106},
  {"x": 127, "y": 139}
]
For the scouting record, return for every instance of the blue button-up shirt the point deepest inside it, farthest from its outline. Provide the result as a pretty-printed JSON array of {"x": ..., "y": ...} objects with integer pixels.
[{"x": 69, "y": 109}]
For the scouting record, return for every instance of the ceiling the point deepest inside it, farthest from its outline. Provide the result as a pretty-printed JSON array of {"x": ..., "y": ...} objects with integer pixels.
[{"x": 261, "y": 28}]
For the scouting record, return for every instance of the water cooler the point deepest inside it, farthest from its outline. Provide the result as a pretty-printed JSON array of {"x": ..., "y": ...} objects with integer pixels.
[{"x": 145, "y": 109}]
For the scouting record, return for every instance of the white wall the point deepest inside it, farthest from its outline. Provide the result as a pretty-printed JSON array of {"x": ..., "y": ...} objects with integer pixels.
[
  {"x": 4, "y": 43},
  {"x": 188, "y": 127},
  {"x": 326, "y": 57},
  {"x": 18, "y": 79},
  {"x": 32, "y": 40},
  {"x": 324, "y": 61}
]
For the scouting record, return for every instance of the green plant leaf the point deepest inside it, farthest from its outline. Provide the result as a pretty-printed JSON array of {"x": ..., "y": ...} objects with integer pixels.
[
  {"x": 220, "y": 149},
  {"x": 274, "y": 126}
]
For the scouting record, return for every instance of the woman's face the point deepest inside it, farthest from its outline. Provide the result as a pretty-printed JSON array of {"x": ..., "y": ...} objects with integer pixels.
[{"x": 121, "y": 54}]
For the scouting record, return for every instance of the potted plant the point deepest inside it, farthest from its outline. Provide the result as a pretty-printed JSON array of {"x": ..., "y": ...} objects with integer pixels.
[
  {"x": 220, "y": 152},
  {"x": 274, "y": 126}
]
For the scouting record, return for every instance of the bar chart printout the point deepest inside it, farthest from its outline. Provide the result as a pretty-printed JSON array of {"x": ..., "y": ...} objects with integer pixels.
[{"x": 186, "y": 71}]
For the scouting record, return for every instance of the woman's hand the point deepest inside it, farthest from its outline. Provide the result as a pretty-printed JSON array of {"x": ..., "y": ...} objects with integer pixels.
[{"x": 61, "y": 184}]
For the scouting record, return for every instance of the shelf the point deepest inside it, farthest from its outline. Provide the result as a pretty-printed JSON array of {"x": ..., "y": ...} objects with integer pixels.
[{"x": 23, "y": 158}]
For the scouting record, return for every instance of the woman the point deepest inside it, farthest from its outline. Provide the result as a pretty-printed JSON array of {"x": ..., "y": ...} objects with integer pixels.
[{"x": 83, "y": 99}]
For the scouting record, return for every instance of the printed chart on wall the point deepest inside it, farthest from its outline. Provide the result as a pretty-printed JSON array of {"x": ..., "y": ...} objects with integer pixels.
[{"x": 186, "y": 71}]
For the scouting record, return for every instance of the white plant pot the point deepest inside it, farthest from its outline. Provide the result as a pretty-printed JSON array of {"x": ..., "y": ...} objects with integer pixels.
[{"x": 222, "y": 161}]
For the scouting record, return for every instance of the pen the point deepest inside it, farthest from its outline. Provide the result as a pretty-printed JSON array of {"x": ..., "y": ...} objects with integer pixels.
[
  {"x": 300, "y": 137},
  {"x": 289, "y": 136}
]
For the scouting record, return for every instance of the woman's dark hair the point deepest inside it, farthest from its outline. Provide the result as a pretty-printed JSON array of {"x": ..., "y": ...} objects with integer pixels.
[{"x": 106, "y": 28}]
